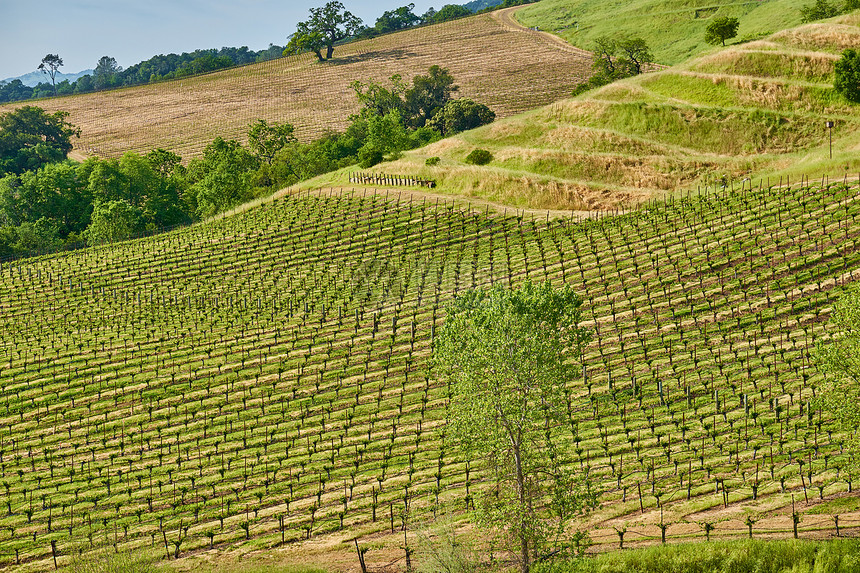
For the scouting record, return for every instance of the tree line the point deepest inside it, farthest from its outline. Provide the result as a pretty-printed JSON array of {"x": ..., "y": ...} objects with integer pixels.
[
  {"x": 108, "y": 74},
  {"x": 48, "y": 202}
]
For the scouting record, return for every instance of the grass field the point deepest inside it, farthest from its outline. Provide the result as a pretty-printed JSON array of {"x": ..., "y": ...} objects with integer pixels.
[
  {"x": 674, "y": 30},
  {"x": 756, "y": 110},
  {"x": 264, "y": 378},
  {"x": 505, "y": 67}
]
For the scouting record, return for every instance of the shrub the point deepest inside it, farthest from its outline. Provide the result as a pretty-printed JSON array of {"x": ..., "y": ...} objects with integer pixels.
[
  {"x": 847, "y": 75},
  {"x": 479, "y": 157},
  {"x": 432, "y": 161}
]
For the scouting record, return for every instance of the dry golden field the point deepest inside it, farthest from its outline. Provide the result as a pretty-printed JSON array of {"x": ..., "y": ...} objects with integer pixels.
[{"x": 494, "y": 61}]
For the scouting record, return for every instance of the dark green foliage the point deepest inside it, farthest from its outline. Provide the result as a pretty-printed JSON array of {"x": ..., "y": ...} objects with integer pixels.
[
  {"x": 432, "y": 161},
  {"x": 615, "y": 59},
  {"x": 397, "y": 19},
  {"x": 820, "y": 10},
  {"x": 30, "y": 138},
  {"x": 428, "y": 95},
  {"x": 721, "y": 29},
  {"x": 222, "y": 178},
  {"x": 325, "y": 27},
  {"x": 847, "y": 75},
  {"x": 450, "y": 12},
  {"x": 460, "y": 115},
  {"x": 479, "y": 157}
]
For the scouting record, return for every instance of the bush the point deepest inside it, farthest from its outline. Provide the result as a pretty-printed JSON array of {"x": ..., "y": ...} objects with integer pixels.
[
  {"x": 479, "y": 157},
  {"x": 847, "y": 75},
  {"x": 432, "y": 161}
]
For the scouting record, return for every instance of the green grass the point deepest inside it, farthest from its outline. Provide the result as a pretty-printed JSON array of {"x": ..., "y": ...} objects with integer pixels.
[
  {"x": 841, "y": 556},
  {"x": 752, "y": 111},
  {"x": 674, "y": 30}
]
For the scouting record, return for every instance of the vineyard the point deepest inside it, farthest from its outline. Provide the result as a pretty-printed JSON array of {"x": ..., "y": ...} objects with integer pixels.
[
  {"x": 509, "y": 69},
  {"x": 263, "y": 379}
]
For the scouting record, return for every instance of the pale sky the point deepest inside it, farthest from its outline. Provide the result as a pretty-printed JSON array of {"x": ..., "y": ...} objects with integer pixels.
[{"x": 82, "y": 31}]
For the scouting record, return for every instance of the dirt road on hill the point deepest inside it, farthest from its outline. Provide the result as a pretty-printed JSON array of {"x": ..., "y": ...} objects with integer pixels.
[{"x": 506, "y": 18}]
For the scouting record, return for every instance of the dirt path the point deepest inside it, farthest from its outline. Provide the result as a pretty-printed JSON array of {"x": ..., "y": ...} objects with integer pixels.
[{"x": 506, "y": 18}]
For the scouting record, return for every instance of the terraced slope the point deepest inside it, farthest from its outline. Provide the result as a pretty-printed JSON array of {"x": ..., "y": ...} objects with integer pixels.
[
  {"x": 508, "y": 68},
  {"x": 264, "y": 378},
  {"x": 755, "y": 110}
]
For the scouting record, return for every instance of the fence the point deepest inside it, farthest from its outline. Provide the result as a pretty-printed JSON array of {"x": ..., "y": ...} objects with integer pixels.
[{"x": 393, "y": 180}]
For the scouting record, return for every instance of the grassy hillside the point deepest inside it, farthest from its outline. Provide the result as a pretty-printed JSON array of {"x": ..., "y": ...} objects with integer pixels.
[
  {"x": 264, "y": 378},
  {"x": 506, "y": 68},
  {"x": 755, "y": 110},
  {"x": 674, "y": 30}
]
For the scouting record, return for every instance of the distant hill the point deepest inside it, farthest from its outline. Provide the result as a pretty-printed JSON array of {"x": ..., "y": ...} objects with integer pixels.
[
  {"x": 476, "y": 5},
  {"x": 35, "y": 78}
]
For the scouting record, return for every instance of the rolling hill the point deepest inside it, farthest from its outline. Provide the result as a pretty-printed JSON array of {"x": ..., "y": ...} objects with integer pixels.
[
  {"x": 261, "y": 382},
  {"x": 507, "y": 67},
  {"x": 755, "y": 110}
]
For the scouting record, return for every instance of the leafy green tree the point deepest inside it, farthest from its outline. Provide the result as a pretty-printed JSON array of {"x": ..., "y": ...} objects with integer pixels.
[
  {"x": 50, "y": 66},
  {"x": 397, "y": 19},
  {"x": 839, "y": 359},
  {"x": 847, "y": 75},
  {"x": 376, "y": 99},
  {"x": 55, "y": 193},
  {"x": 721, "y": 29},
  {"x": 265, "y": 140},
  {"x": 325, "y": 27},
  {"x": 105, "y": 73},
  {"x": 509, "y": 356},
  {"x": 386, "y": 138},
  {"x": 428, "y": 95},
  {"x": 461, "y": 115},
  {"x": 634, "y": 53},
  {"x": 113, "y": 221},
  {"x": 819, "y": 10},
  {"x": 221, "y": 179},
  {"x": 450, "y": 12},
  {"x": 30, "y": 138}
]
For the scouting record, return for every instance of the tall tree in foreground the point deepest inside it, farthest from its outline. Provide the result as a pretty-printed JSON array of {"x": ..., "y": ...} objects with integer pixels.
[
  {"x": 839, "y": 359},
  {"x": 326, "y": 26},
  {"x": 50, "y": 66},
  {"x": 509, "y": 357}
]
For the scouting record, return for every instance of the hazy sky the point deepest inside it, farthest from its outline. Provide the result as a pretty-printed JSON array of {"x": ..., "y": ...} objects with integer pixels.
[{"x": 81, "y": 31}]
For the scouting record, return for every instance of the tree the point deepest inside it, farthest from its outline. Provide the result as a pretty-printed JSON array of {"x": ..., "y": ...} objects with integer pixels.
[
  {"x": 634, "y": 54},
  {"x": 376, "y": 99},
  {"x": 113, "y": 221},
  {"x": 847, "y": 75},
  {"x": 397, "y": 19},
  {"x": 839, "y": 359},
  {"x": 30, "y": 138},
  {"x": 509, "y": 357},
  {"x": 265, "y": 140},
  {"x": 427, "y": 95},
  {"x": 450, "y": 12},
  {"x": 326, "y": 26},
  {"x": 50, "y": 66},
  {"x": 222, "y": 178},
  {"x": 721, "y": 29},
  {"x": 104, "y": 76},
  {"x": 820, "y": 10},
  {"x": 461, "y": 115}
]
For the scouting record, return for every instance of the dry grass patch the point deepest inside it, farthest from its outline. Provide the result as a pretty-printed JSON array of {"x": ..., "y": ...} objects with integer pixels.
[
  {"x": 506, "y": 69},
  {"x": 830, "y": 37},
  {"x": 806, "y": 66}
]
